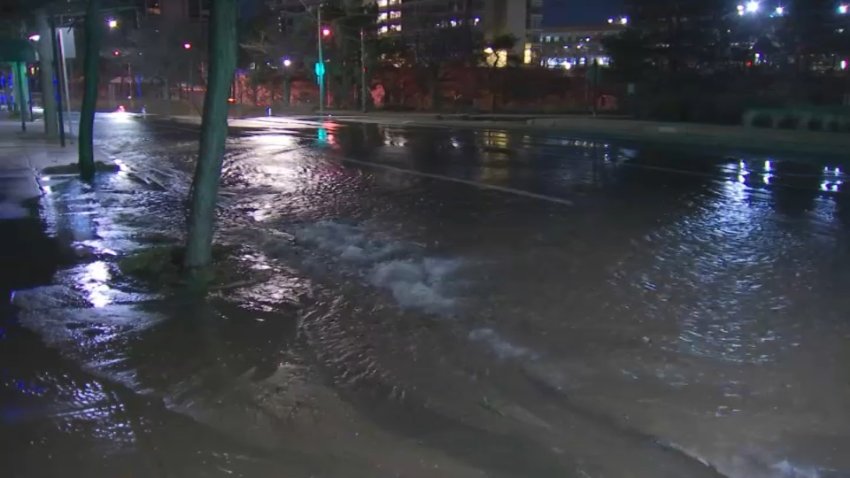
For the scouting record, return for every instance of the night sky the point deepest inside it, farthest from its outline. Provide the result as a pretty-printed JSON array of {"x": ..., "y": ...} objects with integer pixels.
[{"x": 579, "y": 12}]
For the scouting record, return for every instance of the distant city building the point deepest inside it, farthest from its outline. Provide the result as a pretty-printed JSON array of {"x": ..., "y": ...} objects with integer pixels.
[
  {"x": 576, "y": 46},
  {"x": 521, "y": 19},
  {"x": 706, "y": 37}
]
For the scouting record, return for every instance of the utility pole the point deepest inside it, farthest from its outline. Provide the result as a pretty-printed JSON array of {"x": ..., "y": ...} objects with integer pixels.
[
  {"x": 362, "y": 71},
  {"x": 64, "y": 69},
  {"x": 321, "y": 78},
  {"x": 54, "y": 45}
]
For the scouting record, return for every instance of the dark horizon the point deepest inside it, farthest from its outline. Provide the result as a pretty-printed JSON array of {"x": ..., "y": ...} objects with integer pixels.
[{"x": 579, "y": 12}]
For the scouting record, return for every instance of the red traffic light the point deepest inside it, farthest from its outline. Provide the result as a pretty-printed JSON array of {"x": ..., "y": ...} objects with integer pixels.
[
  {"x": 116, "y": 52},
  {"x": 187, "y": 46},
  {"x": 326, "y": 32}
]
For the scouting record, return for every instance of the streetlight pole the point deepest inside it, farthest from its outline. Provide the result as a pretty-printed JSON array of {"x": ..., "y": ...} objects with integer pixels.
[
  {"x": 64, "y": 69},
  {"x": 321, "y": 78}
]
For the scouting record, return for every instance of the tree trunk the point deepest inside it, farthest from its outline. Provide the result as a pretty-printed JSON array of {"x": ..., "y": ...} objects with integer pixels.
[
  {"x": 222, "y": 64},
  {"x": 92, "y": 33}
]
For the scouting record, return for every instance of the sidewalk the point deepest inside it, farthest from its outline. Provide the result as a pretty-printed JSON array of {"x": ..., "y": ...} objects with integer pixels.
[{"x": 22, "y": 157}]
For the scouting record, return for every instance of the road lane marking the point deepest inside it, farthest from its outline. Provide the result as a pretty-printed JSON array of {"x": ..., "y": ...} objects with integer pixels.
[{"x": 477, "y": 184}]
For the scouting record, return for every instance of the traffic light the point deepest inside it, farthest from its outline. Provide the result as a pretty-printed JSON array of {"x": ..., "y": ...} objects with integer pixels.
[{"x": 326, "y": 32}]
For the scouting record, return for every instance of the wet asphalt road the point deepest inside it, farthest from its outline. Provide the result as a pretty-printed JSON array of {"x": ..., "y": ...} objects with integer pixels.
[{"x": 475, "y": 301}]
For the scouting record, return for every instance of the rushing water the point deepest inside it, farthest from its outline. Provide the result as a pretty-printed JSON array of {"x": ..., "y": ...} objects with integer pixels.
[{"x": 455, "y": 302}]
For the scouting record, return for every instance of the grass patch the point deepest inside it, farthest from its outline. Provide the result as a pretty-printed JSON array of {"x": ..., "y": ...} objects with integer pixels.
[
  {"x": 99, "y": 166},
  {"x": 161, "y": 266}
]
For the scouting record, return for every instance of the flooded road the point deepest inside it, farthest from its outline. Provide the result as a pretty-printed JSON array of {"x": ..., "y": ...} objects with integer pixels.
[{"x": 419, "y": 301}]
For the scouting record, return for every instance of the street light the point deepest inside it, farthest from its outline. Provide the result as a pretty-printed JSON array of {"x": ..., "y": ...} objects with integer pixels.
[
  {"x": 287, "y": 62},
  {"x": 35, "y": 37},
  {"x": 112, "y": 23},
  {"x": 187, "y": 46},
  {"x": 843, "y": 9},
  {"x": 753, "y": 6},
  {"x": 780, "y": 10}
]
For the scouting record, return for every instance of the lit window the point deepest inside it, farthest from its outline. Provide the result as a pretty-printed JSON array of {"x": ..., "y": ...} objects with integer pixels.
[
  {"x": 395, "y": 14},
  {"x": 383, "y": 30},
  {"x": 382, "y": 3},
  {"x": 395, "y": 28},
  {"x": 395, "y": 2},
  {"x": 382, "y": 17}
]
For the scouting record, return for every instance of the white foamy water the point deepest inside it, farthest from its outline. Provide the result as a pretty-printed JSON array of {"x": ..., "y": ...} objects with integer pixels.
[
  {"x": 500, "y": 346},
  {"x": 415, "y": 281},
  {"x": 790, "y": 470}
]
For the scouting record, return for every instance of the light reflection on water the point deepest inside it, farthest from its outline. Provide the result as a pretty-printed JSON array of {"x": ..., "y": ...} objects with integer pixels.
[{"x": 93, "y": 280}]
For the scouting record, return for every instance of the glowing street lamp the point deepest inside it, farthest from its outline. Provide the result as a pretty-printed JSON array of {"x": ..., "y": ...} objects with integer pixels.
[
  {"x": 843, "y": 9},
  {"x": 187, "y": 46},
  {"x": 780, "y": 10},
  {"x": 753, "y": 6},
  {"x": 35, "y": 37},
  {"x": 287, "y": 62},
  {"x": 112, "y": 23}
]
